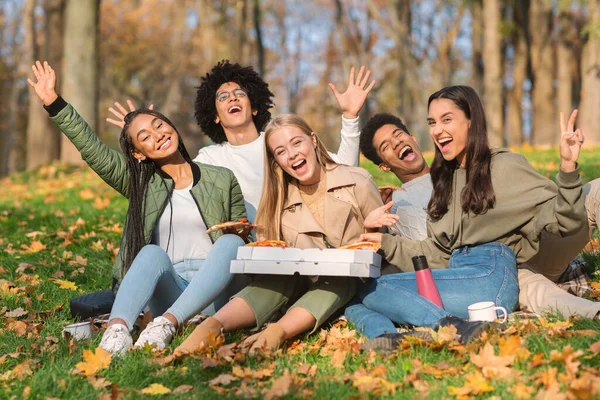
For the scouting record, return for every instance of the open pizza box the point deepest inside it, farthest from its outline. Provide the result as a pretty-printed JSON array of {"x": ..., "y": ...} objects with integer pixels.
[{"x": 311, "y": 262}]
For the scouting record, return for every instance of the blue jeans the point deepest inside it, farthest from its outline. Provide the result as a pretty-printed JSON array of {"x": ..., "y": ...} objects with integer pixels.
[
  {"x": 368, "y": 322},
  {"x": 486, "y": 272},
  {"x": 154, "y": 281}
]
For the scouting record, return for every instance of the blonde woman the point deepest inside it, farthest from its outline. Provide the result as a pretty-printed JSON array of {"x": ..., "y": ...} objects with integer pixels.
[{"x": 308, "y": 201}]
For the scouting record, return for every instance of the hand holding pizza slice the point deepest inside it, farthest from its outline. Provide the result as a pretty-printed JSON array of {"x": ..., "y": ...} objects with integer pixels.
[{"x": 241, "y": 228}]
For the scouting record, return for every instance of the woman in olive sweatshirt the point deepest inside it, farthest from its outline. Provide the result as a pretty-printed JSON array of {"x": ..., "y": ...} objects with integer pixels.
[{"x": 487, "y": 211}]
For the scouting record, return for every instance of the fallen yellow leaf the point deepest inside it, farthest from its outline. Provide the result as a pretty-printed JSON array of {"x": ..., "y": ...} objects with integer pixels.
[
  {"x": 94, "y": 361},
  {"x": 100, "y": 204},
  {"x": 79, "y": 261},
  {"x": 156, "y": 389},
  {"x": 492, "y": 365},
  {"x": 87, "y": 194},
  {"x": 475, "y": 385},
  {"x": 35, "y": 247},
  {"x": 65, "y": 284},
  {"x": 281, "y": 387},
  {"x": 521, "y": 391},
  {"x": 18, "y": 327}
]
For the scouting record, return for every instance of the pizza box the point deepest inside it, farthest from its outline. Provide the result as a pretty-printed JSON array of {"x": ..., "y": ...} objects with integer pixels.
[
  {"x": 310, "y": 268},
  {"x": 310, "y": 255}
]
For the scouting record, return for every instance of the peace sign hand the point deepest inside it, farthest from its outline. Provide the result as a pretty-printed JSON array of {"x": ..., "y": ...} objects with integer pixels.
[
  {"x": 46, "y": 82},
  {"x": 570, "y": 142},
  {"x": 352, "y": 100},
  {"x": 120, "y": 121}
]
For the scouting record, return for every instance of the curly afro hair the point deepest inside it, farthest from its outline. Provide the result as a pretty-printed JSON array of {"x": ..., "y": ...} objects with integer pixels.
[
  {"x": 368, "y": 131},
  {"x": 257, "y": 89}
]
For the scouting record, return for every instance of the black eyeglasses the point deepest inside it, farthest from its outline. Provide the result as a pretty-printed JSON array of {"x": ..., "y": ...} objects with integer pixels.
[{"x": 224, "y": 95}]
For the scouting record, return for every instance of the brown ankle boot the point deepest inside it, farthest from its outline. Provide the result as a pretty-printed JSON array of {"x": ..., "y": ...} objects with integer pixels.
[
  {"x": 269, "y": 339},
  {"x": 202, "y": 333}
]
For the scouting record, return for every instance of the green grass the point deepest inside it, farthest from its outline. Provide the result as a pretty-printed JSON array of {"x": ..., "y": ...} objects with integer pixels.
[{"x": 55, "y": 206}]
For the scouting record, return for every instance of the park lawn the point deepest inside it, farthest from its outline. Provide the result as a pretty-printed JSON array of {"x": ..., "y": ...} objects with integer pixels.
[{"x": 60, "y": 231}]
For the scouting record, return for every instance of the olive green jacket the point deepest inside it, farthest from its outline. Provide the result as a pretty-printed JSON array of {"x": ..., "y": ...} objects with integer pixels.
[
  {"x": 215, "y": 189},
  {"x": 527, "y": 203}
]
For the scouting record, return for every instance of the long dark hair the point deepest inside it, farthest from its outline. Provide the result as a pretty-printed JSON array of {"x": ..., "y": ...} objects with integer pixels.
[
  {"x": 478, "y": 194},
  {"x": 140, "y": 174}
]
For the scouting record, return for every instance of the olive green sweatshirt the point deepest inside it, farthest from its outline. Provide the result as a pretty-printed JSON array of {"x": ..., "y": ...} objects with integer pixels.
[{"x": 526, "y": 204}]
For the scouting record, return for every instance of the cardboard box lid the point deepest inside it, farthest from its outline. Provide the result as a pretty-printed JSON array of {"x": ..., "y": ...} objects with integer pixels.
[{"x": 311, "y": 255}]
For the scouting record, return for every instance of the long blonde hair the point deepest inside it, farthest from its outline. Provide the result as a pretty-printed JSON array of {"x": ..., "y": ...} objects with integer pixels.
[{"x": 275, "y": 188}]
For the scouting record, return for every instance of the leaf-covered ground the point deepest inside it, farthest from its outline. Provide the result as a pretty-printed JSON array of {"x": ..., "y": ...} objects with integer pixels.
[{"x": 60, "y": 229}]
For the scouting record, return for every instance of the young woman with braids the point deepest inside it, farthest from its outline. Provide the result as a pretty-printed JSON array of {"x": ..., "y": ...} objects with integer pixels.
[
  {"x": 167, "y": 261},
  {"x": 486, "y": 213}
]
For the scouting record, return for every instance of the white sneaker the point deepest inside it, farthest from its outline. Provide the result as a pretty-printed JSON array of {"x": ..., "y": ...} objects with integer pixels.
[
  {"x": 158, "y": 332},
  {"x": 116, "y": 340}
]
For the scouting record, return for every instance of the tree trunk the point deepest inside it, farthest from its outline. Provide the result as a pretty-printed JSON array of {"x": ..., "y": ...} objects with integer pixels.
[
  {"x": 542, "y": 62},
  {"x": 43, "y": 138},
  {"x": 564, "y": 67},
  {"x": 520, "y": 63},
  {"x": 260, "y": 50},
  {"x": 590, "y": 73},
  {"x": 407, "y": 72},
  {"x": 80, "y": 67},
  {"x": 241, "y": 23},
  {"x": 477, "y": 43},
  {"x": 515, "y": 95},
  {"x": 17, "y": 142},
  {"x": 492, "y": 72},
  {"x": 53, "y": 52}
]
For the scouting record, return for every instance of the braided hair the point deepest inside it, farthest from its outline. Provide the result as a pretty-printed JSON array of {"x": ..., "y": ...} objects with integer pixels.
[{"x": 140, "y": 173}]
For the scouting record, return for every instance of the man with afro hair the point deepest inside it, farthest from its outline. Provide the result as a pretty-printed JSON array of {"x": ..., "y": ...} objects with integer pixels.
[{"x": 233, "y": 105}]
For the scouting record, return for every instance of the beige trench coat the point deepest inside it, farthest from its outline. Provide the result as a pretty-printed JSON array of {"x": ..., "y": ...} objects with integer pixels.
[{"x": 351, "y": 194}]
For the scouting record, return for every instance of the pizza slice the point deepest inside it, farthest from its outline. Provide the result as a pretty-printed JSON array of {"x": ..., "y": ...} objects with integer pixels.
[
  {"x": 373, "y": 246},
  {"x": 268, "y": 243},
  {"x": 240, "y": 224},
  {"x": 389, "y": 187}
]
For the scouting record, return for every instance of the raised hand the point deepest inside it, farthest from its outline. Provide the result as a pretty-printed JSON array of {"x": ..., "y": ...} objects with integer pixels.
[
  {"x": 570, "y": 142},
  {"x": 45, "y": 82},
  {"x": 352, "y": 100},
  {"x": 381, "y": 217},
  {"x": 120, "y": 121}
]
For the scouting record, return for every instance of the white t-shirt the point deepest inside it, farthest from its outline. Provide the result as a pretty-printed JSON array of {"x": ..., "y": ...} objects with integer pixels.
[
  {"x": 189, "y": 240},
  {"x": 247, "y": 161},
  {"x": 410, "y": 203}
]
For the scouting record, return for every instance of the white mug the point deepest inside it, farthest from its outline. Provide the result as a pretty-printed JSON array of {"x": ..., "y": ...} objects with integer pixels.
[
  {"x": 486, "y": 311},
  {"x": 78, "y": 331}
]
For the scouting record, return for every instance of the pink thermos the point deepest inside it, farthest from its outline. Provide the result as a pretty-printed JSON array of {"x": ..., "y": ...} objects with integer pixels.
[{"x": 425, "y": 283}]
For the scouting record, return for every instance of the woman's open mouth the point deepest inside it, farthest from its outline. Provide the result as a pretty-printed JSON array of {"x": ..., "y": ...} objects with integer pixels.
[
  {"x": 298, "y": 165},
  {"x": 444, "y": 144}
]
